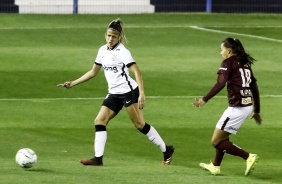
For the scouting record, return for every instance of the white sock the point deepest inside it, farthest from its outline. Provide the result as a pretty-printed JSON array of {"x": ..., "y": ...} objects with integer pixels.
[
  {"x": 154, "y": 136},
  {"x": 99, "y": 143}
]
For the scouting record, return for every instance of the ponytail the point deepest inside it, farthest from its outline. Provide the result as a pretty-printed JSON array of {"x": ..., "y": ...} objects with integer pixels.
[
  {"x": 117, "y": 25},
  {"x": 238, "y": 51}
]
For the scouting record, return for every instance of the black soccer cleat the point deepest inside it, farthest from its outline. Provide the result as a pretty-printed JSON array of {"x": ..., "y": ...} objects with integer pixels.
[
  {"x": 168, "y": 155},
  {"x": 96, "y": 161}
]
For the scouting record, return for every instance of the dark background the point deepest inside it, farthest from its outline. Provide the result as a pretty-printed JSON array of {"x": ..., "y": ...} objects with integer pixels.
[{"x": 218, "y": 6}]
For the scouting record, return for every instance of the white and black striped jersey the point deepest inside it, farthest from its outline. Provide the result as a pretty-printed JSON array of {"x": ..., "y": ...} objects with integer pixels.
[{"x": 115, "y": 63}]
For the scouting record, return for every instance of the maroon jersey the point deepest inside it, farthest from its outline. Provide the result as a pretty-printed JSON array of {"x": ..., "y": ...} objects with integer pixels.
[{"x": 241, "y": 84}]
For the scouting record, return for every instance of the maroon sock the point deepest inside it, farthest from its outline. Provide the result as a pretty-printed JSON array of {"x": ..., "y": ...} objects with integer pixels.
[
  {"x": 232, "y": 149},
  {"x": 218, "y": 157}
]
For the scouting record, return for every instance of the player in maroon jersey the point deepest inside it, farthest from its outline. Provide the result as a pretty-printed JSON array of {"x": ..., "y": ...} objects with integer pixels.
[{"x": 243, "y": 97}]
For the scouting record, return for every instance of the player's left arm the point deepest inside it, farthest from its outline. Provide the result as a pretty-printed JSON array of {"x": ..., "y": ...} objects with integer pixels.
[
  {"x": 138, "y": 77},
  {"x": 256, "y": 100}
]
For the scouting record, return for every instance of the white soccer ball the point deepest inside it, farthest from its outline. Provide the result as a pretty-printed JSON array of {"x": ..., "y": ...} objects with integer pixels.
[{"x": 26, "y": 157}]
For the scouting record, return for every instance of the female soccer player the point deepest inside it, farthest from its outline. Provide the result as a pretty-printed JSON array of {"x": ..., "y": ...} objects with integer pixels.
[
  {"x": 122, "y": 91},
  {"x": 235, "y": 72}
]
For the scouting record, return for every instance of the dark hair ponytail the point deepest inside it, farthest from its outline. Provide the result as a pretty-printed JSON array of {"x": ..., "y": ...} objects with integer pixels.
[
  {"x": 117, "y": 25},
  {"x": 238, "y": 51}
]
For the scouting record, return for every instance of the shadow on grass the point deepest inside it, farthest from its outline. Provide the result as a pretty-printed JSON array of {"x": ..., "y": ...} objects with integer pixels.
[{"x": 40, "y": 170}]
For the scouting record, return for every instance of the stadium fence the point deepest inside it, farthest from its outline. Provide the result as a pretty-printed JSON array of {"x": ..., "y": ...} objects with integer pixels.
[{"x": 138, "y": 6}]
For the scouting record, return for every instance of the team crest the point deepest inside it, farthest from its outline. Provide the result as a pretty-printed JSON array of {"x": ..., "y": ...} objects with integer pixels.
[{"x": 114, "y": 57}]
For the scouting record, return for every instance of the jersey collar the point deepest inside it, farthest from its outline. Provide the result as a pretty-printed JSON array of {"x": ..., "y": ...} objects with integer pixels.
[{"x": 113, "y": 46}]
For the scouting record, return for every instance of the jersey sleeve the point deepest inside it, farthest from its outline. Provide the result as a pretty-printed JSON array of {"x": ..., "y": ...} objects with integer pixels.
[
  {"x": 255, "y": 94},
  {"x": 218, "y": 86},
  {"x": 130, "y": 64},
  {"x": 127, "y": 58},
  {"x": 98, "y": 60},
  {"x": 222, "y": 76}
]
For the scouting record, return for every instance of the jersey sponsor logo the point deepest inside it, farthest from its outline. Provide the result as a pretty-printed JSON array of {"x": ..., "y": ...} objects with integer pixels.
[
  {"x": 110, "y": 68},
  {"x": 246, "y": 101}
]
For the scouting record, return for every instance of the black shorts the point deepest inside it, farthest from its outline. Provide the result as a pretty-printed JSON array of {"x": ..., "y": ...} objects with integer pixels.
[{"x": 115, "y": 102}]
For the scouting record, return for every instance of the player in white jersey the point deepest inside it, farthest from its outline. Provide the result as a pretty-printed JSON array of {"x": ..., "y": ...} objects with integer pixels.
[
  {"x": 123, "y": 91},
  {"x": 115, "y": 63}
]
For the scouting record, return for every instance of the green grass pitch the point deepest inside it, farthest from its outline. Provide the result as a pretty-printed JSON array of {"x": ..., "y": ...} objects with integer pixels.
[{"x": 178, "y": 62}]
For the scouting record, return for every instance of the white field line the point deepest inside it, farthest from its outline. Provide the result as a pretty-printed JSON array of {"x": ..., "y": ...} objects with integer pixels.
[
  {"x": 166, "y": 26},
  {"x": 101, "y": 98},
  {"x": 133, "y": 26},
  {"x": 240, "y": 26},
  {"x": 234, "y": 33}
]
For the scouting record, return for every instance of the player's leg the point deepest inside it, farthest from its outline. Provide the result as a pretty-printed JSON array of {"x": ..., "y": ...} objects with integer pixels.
[
  {"x": 109, "y": 109},
  {"x": 229, "y": 123},
  {"x": 104, "y": 116},
  {"x": 219, "y": 154},
  {"x": 130, "y": 102},
  {"x": 224, "y": 145},
  {"x": 214, "y": 167},
  {"x": 221, "y": 142},
  {"x": 136, "y": 116}
]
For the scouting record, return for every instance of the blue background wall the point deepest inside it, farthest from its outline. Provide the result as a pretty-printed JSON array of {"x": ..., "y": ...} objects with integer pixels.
[{"x": 8, "y": 6}]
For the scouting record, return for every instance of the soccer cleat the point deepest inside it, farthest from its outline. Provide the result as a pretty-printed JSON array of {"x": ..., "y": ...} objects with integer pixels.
[
  {"x": 168, "y": 155},
  {"x": 251, "y": 161},
  {"x": 92, "y": 162},
  {"x": 215, "y": 170}
]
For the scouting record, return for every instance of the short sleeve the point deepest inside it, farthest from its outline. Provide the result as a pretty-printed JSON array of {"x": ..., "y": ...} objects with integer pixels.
[
  {"x": 127, "y": 58},
  {"x": 99, "y": 57}
]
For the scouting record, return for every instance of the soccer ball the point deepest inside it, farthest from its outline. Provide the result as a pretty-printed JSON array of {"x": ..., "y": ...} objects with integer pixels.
[{"x": 26, "y": 157}]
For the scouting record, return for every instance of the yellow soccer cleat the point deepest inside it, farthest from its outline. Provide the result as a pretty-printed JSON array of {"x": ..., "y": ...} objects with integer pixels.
[
  {"x": 251, "y": 161},
  {"x": 215, "y": 170}
]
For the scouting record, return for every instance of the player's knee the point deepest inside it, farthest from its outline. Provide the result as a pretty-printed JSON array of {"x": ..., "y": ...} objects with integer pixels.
[
  {"x": 214, "y": 142},
  {"x": 139, "y": 125},
  {"x": 101, "y": 121}
]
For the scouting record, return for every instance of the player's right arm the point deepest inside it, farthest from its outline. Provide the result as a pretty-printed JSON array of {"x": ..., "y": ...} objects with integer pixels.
[
  {"x": 88, "y": 75},
  {"x": 218, "y": 86}
]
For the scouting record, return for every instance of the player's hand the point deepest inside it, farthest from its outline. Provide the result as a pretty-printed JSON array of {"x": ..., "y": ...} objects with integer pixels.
[
  {"x": 257, "y": 118},
  {"x": 141, "y": 101},
  {"x": 66, "y": 84},
  {"x": 199, "y": 102}
]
